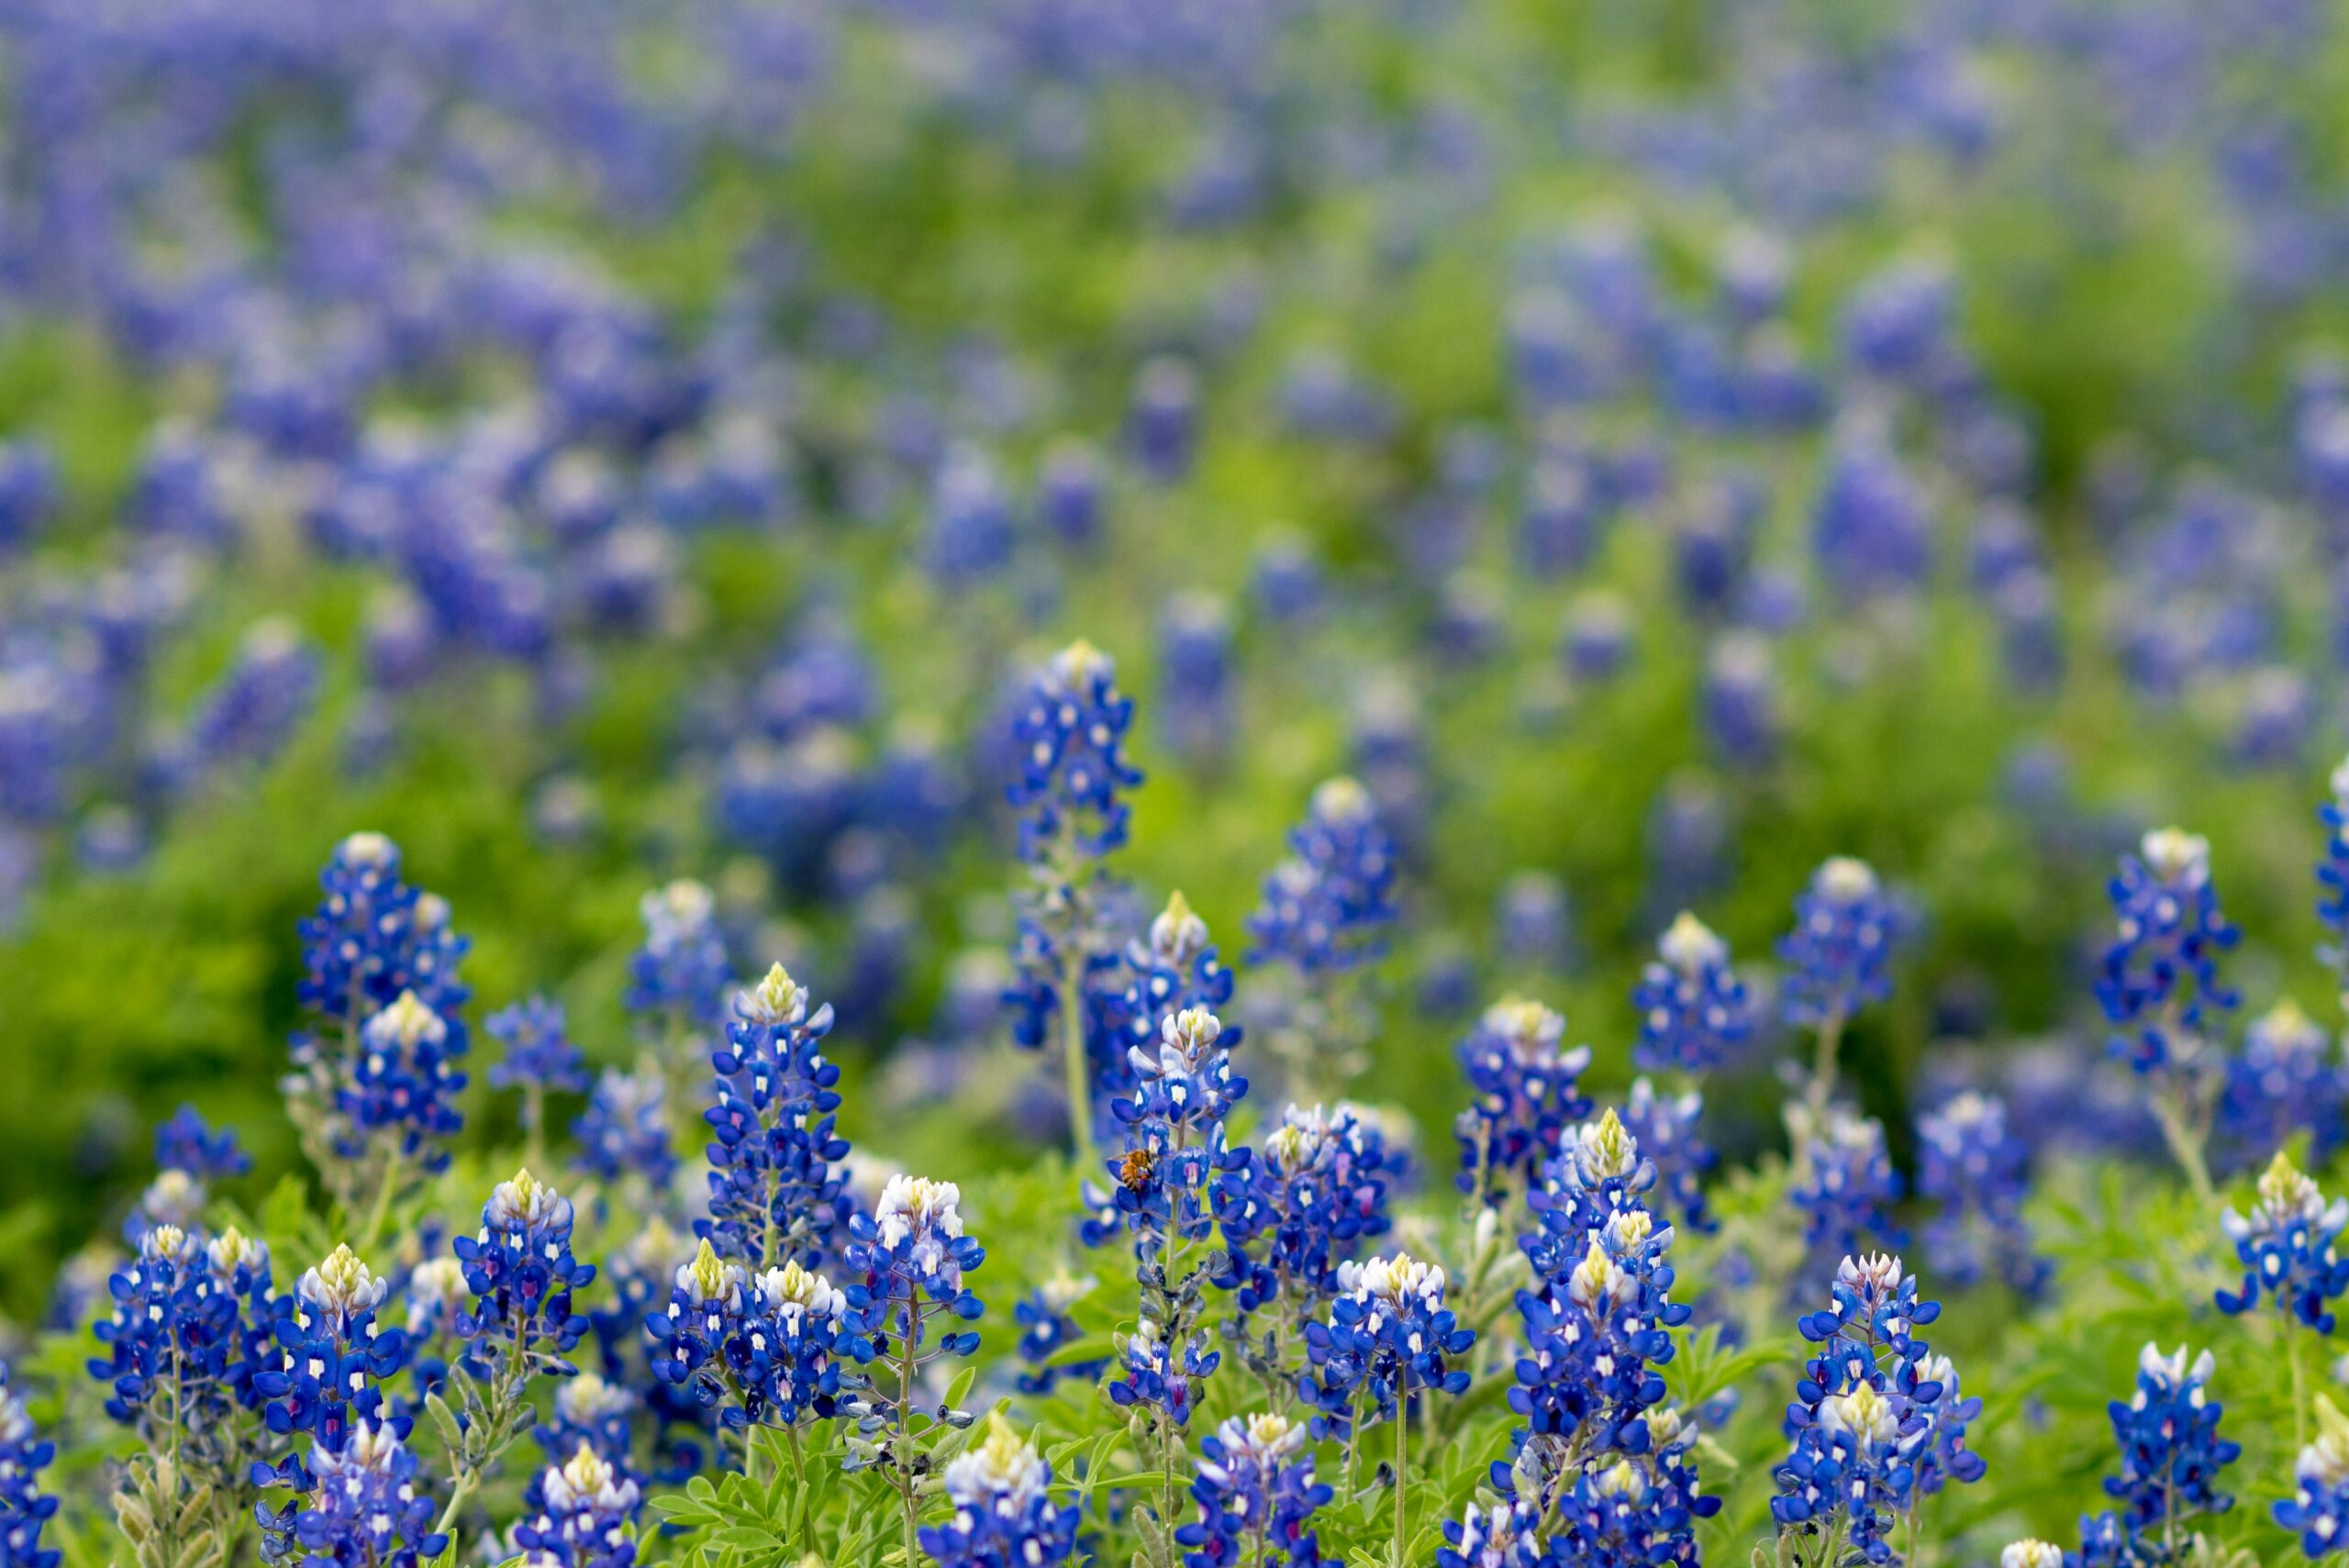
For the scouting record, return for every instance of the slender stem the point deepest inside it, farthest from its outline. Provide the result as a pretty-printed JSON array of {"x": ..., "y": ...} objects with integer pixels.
[
  {"x": 904, "y": 1467},
  {"x": 459, "y": 1490},
  {"x": 383, "y": 1209},
  {"x": 1168, "y": 1444},
  {"x": 2184, "y": 1143},
  {"x": 534, "y": 1121},
  {"x": 2300, "y": 1385},
  {"x": 1072, "y": 1063},
  {"x": 1402, "y": 1460},
  {"x": 1823, "y": 1064}
]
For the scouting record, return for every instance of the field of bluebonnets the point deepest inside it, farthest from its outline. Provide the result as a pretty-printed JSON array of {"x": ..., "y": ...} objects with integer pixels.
[{"x": 1537, "y": 783}]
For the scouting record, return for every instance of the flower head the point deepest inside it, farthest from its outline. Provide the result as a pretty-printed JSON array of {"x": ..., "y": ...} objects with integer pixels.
[
  {"x": 1003, "y": 1511},
  {"x": 1328, "y": 905},
  {"x": 1839, "y": 953},
  {"x": 2160, "y": 979},
  {"x": 1694, "y": 1011},
  {"x": 2286, "y": 1246},
  {"x": 1525, "y": 1095},
  {"x": 1071, "y": 735}
]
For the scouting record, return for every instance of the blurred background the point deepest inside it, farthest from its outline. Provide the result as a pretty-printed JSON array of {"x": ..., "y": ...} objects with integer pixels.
[{"x": 1654, "y": 447}]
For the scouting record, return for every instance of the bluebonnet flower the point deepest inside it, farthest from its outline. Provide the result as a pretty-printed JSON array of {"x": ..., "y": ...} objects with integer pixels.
[
  {"x": 1976, "y": 1169},
  {"x": 2171, "y": 1457},
  {"x": 435, "y": 1293},
  {"x": 593, "y": 1413},
  {"x": 2282, "y": 1083},
  {"x": 1664, "y": 1126},
  {"x": 1163, "y": 425},
  {"x": 1328, "y": 905},
  {"x": 2160, "y": 988},
  {"x": 1195, "y": 659},
  {"x": 1314, "y": 1192},
  {"x": 1941, "y": 1456},
  {"x": 1071, "y": 736},
  {"x": 538, "y": 1048},
  {"x": 251, "y": 711},
  {"x": 1872, "y": 531},
  {"x": 240, "y": 1268},
  {"x": 1845, "y": 1186},
  {"x": 1739, "y": 702},
  {"x": 774, "y": 1182},
  {"x": 1599, "y": 1317},
  {"x": 913, "y": 1257},
  {"x": 2318, "y": 1510},
  {"x": 1501, "y": 1534},
  {"x": 1389, "y": 1337},
  {"x": 185, "y": 1143},
  {"x": 170, "y": 1338},
  {"x": 2287, "y": 1247},
  {"x": 1071, "y": 493},
  {"x": 1158, "y": 1375},
  {"x": 374, "y": 938},
  {"x": 1256, "y": 1497},
  {"x": 2160, "y": 980},
  {"x": 1873, "y": 1430},
  {"x": 1287, "y": 580},
  {"x": 25, "y": 1509},
  {"x": 579, "y": 1513},
  {"x": 707, "y": 1306},
  {"x": 682, "y": 970},
  {"x": 970, "y": 519},
  {"x": 1172, "y": 1179},
  {"x": 1046, "y": 1329},
  {"x": 403, "y": 1082},
  {"x": 28, "y": 491},
  {"x": 1525, "y": 1096},
  {"x": 799, "y": 1336},
  {"x": 1533, "y": 921},
  {"x": 1634, "y": 1511},
  {"x": 1694, "y": 1011},
  {"x": 332, "y": 1357},
  {"x": 519, "y": 1269},
  {"x": 624, "y": 1129},
  {"x": 175, "y": 1197},
  {"x": 361, "y": 1505},
  {"x": 1597, "y": 640},
  {"x": 1837, "y": 954},
  {"x": 1004, "y": 1515},
  {"x": 1175, "y": 970}
]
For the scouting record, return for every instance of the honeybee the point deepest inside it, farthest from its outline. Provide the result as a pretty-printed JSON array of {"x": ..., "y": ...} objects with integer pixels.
[{"x": 1133, "y": 1173}]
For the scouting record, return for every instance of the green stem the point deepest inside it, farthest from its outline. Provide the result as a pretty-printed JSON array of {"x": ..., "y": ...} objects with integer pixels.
[
  {"x": 383, "y": 1209},
  {"x": 460, "y": 1489},
  {"x": 2300, "y": 1385},
  {"x": 1824, "y": 1063},
  {"x": 1073, "y": 1064},
  {"x": 904, "y": 1467},
  {"x": 1402, "y": 1462},
  {"x": 2184, "y": 1144}
]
